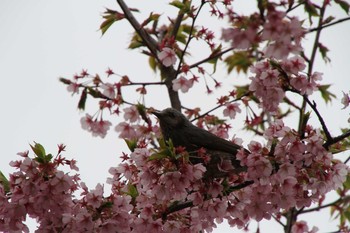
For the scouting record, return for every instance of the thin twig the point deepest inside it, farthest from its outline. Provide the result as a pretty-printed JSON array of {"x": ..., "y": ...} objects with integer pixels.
[
  {"x": 328, "y": 25},
  {"x": 336, "y": 139},
  {"x": 320, "y": 207},
  {"x": 212, "y": 56},
  {"x": 219, "y": 106},
  {"x": 144, "y": 84},
  {"x": 320, "y": 118},
  {"x": 190, "y": 36}
]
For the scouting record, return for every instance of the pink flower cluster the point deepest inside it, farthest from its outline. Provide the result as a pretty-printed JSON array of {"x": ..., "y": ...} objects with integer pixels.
[
  {"x": 37, "y": 190},
  {"x": 96, "y": 127},
  {"x": 161, "y": 191},
  {"x": 270, "y": 82},
  {"x": 282, "y": 34}
]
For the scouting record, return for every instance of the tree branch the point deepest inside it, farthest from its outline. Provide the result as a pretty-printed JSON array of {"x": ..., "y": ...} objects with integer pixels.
[
  {"x": 168, "y": 73},
  {"x": 336, "y": 139},
  {"x": 328, "y": 25},
  {"x": 212, "y": 56},
  {"x": 320, "y": 118},
  {"x": 320, "y": 207},
  {"x": 150, "y": 43}
]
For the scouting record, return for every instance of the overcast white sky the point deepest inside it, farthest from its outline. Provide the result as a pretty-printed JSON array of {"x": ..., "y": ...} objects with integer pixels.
[{"x": 42, "y": 40}]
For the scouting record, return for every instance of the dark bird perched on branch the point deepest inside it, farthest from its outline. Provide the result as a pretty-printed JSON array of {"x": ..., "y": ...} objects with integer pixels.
[{"x": 182, "y": 132}]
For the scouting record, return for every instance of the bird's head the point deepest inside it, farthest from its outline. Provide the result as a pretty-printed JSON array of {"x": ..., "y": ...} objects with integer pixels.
[{"x": 170, "y": 118}]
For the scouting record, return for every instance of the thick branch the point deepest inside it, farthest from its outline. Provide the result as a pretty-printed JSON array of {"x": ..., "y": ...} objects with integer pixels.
[
  {"x": 168, "y": 73},
  {"x": 146, "y": 38}
]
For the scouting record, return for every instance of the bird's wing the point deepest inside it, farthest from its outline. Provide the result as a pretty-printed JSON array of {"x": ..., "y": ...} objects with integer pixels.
[{"x": 202, "y": 138}]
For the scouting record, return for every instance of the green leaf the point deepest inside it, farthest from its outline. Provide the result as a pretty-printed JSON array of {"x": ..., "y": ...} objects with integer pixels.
[
  {"x": 215, "y": 59},
  {"x": 184, "y": 7},
  {"x": 4, "y": 182},
  {"x": 110, "y": 17},
  {"x": 152, "y": 63},
  {"x": 132, "y": 144},
  {"x": 310, "y": 9},
  {"x": 177, "y": 4},
  {"x": 82, "y": 100},
  {"x": 159, "y": 155},
  {"x": 324, "y": 50},
  {"x": 343, "y": 4},
  {"x": 136, "y": 42},
  {"x": 151, "y": 17},
  {"x": 239, "y": 61},
  {"x": 38, "y": 150},
  {"x": 326, "y": 95},
  {"x": 132, "y": 190},
  {"x": 241, "y": 90},
  {"x": 347, "y": 182}
]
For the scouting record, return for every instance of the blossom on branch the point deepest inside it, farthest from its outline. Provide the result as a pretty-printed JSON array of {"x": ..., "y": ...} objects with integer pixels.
[
  {"x": 182, "y": 84},
  {"x": 231, "y": 110},
  {"x": 167, "y": 56}
]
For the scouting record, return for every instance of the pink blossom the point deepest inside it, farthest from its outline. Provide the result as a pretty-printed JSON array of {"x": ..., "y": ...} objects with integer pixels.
[
  {"x": 345, "y": 100},
  {"x": 276, "y": 129},
  {"x": 231, "y": 110},
  {"x": 131, "y": 114},
  {"x": 301, "y": 227},
  {"x": 167, "y": 56},
  {"x": 100, "y": 128},
  {"x": 126, "y": 130},
  {"x": 73, "y": 87},
  {"x": 240, "y": 39},
  {"x": 97, "y": 128},
  {"x": 294, "y": 64},
  {"x": 108, "y": 90},
  {"x": 86, "y": 122},
  {"x": 182, "y": 84}
]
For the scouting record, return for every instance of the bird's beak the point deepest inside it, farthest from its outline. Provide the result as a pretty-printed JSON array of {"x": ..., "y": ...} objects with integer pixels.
[{"x": 156, "y": 113}]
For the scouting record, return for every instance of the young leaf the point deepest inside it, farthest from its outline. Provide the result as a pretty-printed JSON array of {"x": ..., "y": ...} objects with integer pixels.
[
  {"x": 4, "y": 182},
  {"x": 152, "y": 63},
  {"x": 326, "y": 95},
  {"x": 324, "y": 50},
  {"x": 239, "y": 61},
  {"x": 82, "y": 101},
  {"x": 344, "y": 5},
  {"x": 38, "y": 150},
  {"x": 132, "y": 144}
]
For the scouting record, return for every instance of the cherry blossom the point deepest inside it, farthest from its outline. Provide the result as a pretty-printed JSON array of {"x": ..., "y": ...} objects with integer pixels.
[
  {"x": 345, "y": 100},
  {"x": 108, "y": 90},
  {"x": 126, "y": 130},
  {"x": 167, "y": 56},
  {"x": 231, "y": 110},
  {"x": 73, "y": 87},
  {"x": 131, "y": 114},
  {"x": 182, "y": 84}
]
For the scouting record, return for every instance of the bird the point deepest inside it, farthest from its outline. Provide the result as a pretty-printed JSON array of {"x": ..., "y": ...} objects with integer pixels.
[{"x": 175, "y": 126}]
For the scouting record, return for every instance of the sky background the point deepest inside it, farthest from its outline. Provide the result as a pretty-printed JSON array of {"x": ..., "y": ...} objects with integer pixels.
[{"x": 43, "y": 40}]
